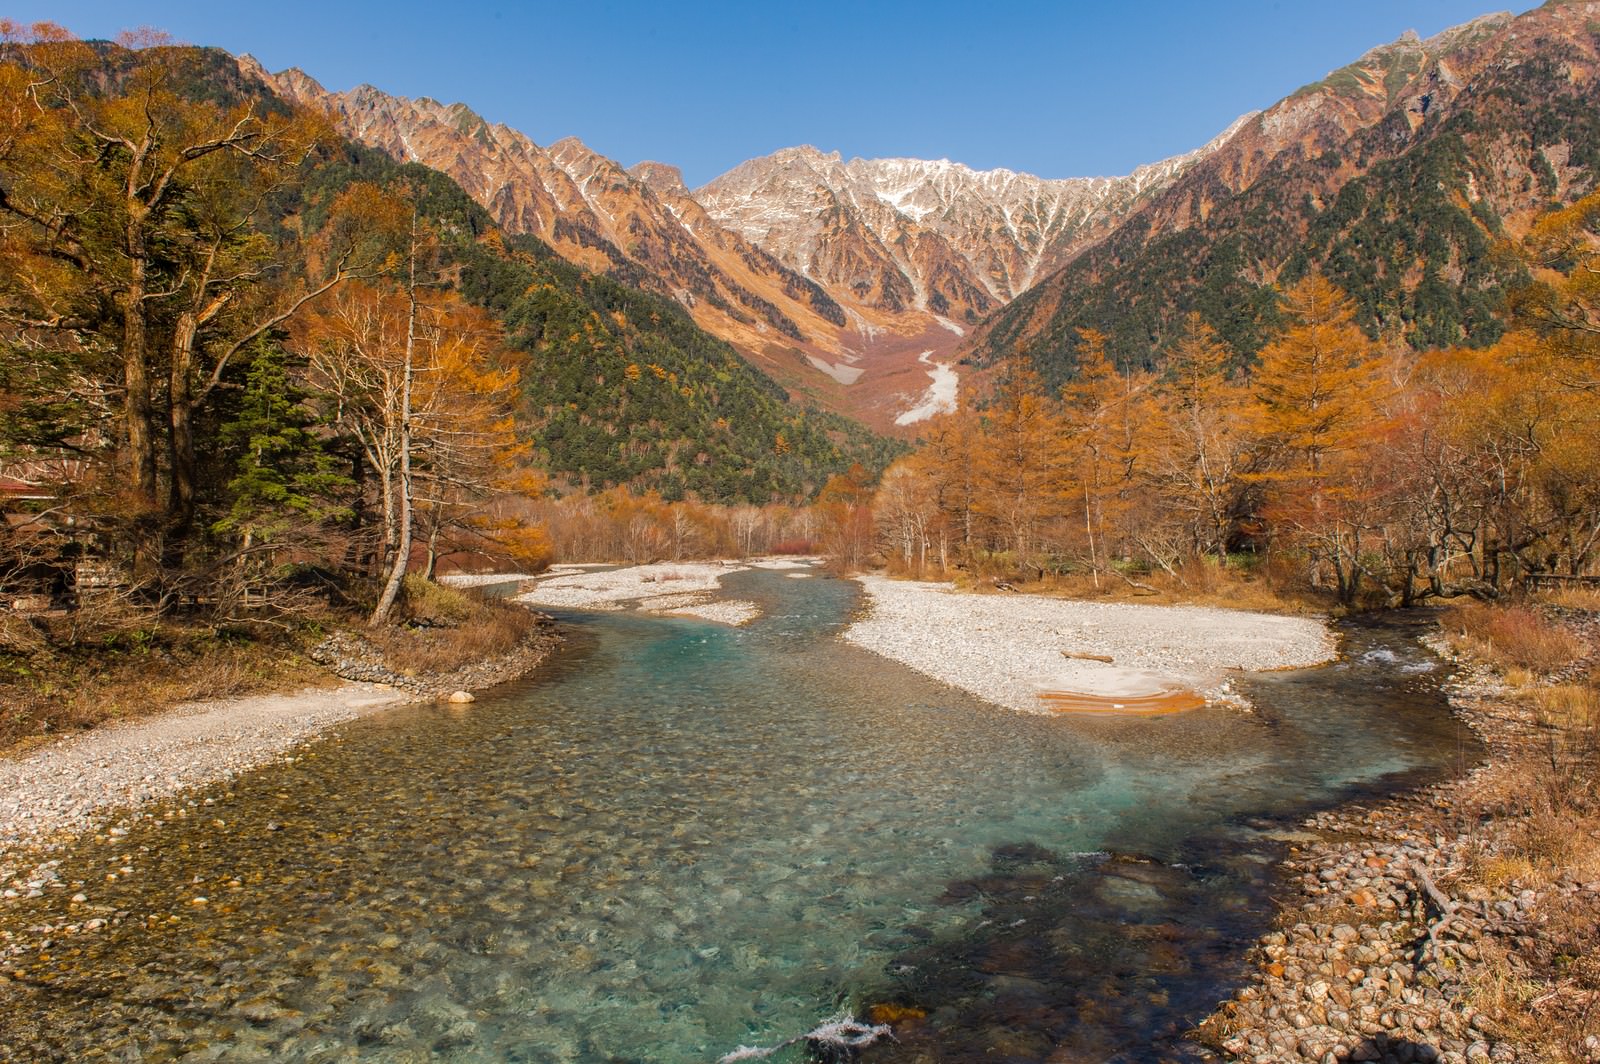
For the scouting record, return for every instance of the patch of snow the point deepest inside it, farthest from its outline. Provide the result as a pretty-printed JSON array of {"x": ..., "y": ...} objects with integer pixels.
[
  {"x": 940, "y": 398},
  {"x": 897, "y": 199},
  {"x": 948, "y": 324},
  {"x": 846, "y": 375}
]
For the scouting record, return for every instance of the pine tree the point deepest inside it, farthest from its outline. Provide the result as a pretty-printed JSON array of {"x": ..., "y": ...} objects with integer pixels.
[{"x": 284, "y": 479}]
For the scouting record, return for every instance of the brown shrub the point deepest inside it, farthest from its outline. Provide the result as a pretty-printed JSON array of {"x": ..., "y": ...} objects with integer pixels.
[{"x": 1514, "y": 636}]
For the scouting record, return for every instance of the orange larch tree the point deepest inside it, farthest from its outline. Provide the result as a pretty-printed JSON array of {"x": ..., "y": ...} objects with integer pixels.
[
  {"x": 1316, "y": 393},
  {"x": 1016, "y": 466},
  {"x": 1196, "y": 447}
]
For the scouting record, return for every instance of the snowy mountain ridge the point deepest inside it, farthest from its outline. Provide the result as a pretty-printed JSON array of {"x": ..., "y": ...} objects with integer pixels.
[{"x": 919, "y": 234}]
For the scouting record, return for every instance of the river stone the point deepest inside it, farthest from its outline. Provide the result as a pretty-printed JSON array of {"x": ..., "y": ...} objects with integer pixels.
[{"x": 461, "y": 697}]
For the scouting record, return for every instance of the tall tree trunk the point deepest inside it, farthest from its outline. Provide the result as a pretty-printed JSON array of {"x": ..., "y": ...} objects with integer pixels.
[
  {"x": 1088, "y": 528},
  {"x": 138, "y": 409},
  {"x": 403, "y": 502},
  {"x": 388, "y": 492},
  {"x": 180, "y": 442}
]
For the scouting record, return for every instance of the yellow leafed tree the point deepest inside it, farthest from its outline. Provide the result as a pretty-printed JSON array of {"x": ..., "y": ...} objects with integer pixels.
[
  {"x": 1316, "y": 392},
  {"x": 1195, "y": 448}
]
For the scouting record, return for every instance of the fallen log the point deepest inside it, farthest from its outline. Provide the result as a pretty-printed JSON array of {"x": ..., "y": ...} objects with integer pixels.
[
  {"x": 1448, "y": 909},
  {"x": 1138, "y": 587},
  {"x": 1075, "y": 656}
]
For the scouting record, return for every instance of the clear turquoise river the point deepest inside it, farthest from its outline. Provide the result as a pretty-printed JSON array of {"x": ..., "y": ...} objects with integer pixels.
[{"x": 678, "y": 838}]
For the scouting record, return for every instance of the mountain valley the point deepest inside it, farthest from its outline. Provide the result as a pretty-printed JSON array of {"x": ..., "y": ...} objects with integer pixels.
[
  {"x": 839, "y": 279},
  {"x": 848, "y": 280}
]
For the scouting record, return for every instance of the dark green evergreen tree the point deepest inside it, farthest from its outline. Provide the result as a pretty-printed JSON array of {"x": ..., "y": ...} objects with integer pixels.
[{"x": 284, "y": 478}]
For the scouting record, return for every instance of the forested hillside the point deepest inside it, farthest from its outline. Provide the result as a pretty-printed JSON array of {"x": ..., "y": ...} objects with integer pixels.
[
  {"x": 236, "y": 349},
  {"x": 1412, "y": 215},
  {"x": 1368, "y": 470},
  {"x": 622, "y": 387}
]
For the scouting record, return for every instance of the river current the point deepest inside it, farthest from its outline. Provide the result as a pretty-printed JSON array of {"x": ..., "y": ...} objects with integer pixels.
[{"x": 679, "y": 838}]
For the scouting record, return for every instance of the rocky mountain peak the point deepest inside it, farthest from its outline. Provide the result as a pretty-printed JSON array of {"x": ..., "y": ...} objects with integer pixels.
[
  {"x": 663, "y": 179},
  {"x": 809, "y": 154},
  {"x": 294, "y": 82},
  {"x": 930, "y": 235},
  {"x": 568, "y": 147},
  {"x": 1468, "y": 32}
]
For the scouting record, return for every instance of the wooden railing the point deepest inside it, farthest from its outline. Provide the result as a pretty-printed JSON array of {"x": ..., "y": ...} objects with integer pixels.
[{"x": 1552, "y": 581}]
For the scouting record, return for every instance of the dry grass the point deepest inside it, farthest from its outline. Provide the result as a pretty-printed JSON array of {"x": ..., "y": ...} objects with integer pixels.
[
  {"x": 1551, "y": 999},
  {"x": 67, "y": 673},
  {"x": 1504, "y": 871},
  {"x": 1548, "y": 996},
  {"x": 1513, "y": 637},
  {"x": 1198, "y": 582},
  {"x": 1568, "y": 706},
  {"x": 1548, "y": 809},
  {"x": 450, "y": 627},
  {"x": 54, "y": 680},
  {"x": 1542, "y": 828},
  {"x": 1576, "y": 598}
]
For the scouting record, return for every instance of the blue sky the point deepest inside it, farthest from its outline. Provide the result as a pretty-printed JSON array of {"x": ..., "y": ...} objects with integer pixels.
[{"x": 1059, "y": 90}]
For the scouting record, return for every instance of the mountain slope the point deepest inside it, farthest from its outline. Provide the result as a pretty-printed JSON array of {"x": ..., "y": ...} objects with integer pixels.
[
  {"x": 854, "y": 282},
  {"x": 645, "y": 229},
  {"x": 1399, "y": 176},
  {"x": 622, "y": 387},
  {"x": 841, "y": 279}
]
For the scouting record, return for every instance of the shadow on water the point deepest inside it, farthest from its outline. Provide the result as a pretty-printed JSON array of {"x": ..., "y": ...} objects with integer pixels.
[
  {"x": 1114, "y": 957},
  {"x": 679, "y": 838}
]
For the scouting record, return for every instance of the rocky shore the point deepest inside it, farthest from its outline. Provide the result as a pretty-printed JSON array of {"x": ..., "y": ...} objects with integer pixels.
[
  {"x": 1389, "y": 948},
  {"x": 350, "y": 656},
  {"x": 81, "y": 784}
]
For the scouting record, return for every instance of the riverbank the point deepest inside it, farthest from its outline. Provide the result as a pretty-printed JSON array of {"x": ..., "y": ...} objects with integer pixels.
[
  {"x": 1033, "y": 653},
  {"x": 1454, "y": 923},
  {"x": 105, "y": 776}
]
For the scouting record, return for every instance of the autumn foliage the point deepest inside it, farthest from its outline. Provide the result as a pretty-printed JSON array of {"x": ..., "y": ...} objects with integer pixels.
[
  {"x": 215, "y": 385},
  {"x": 1342, "y": 463}
]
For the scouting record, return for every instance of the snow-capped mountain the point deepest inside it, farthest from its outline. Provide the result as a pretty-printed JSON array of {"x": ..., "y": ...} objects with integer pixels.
[
  {"x": 910, "y": 234},
  {"x": 644, "y": 226}
]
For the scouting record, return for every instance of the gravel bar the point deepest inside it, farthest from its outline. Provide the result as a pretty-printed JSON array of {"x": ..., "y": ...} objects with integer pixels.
[{"x": 1012, "y": 648}]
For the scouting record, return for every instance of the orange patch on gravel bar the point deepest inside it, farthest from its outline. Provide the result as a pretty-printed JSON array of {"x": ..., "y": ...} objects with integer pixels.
[{"x": 1174, "y": 701}]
